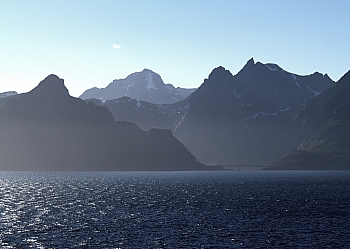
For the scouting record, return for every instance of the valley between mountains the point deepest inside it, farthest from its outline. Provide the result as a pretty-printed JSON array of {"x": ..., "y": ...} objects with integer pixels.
[{"x": 263, "y": 115}]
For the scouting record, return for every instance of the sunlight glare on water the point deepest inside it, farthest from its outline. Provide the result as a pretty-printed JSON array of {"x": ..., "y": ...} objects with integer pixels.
[{"x": 175, "y": 210}]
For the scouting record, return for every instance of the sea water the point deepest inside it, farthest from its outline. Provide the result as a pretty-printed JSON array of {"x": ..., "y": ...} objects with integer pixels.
[{"x": 219, "y": 209}]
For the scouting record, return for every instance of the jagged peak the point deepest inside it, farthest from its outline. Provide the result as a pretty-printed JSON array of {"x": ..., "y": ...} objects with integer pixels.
[
  {"x": 52, "y": 85},
  {"x": 327, "y": 77},
  {"x": 250, "y": 61},
  {"x": 219, "y": 72},
  {"x": 250, "y": 64}
]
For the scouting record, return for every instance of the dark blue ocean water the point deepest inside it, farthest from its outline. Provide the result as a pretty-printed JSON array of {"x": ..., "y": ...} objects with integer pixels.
[{"x": 225, "y": 209}]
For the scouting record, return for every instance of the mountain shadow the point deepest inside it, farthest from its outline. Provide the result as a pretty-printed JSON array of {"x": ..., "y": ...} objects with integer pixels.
[
  {"x": 322, "y": 131},
  {"x": 231, "y": 119},
  {"x": 248, "y": 113},
  {"x": 47, "y": 129}
]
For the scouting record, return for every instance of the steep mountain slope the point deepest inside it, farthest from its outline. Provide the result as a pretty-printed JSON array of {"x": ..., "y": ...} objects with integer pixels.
[
  {"x": 279, "y": 87},
  {"x": 238, "y": 119},
  {"x": 322, "y": 130},
  {"x": 244, "y": 116},
  {"x": 143, "y": 86},
  {"x": 47, "y": 129}
]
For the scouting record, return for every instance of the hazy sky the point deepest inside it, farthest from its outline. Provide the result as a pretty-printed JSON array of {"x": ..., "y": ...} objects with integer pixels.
[{"x": 90, "y": 43}]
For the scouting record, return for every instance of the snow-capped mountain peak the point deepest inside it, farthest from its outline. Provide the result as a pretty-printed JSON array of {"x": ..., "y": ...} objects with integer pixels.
[{"x": 145, "y": 85}]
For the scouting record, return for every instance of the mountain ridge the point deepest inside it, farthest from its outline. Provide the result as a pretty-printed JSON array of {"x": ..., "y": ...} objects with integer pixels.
[
  {"x": 255, "y": 117},
  {"x": 144, "y": 86},
  {"x": 323, "y": 129},
  {"x": 47, "y": 129},
  {"x": 216, "y": 121}
]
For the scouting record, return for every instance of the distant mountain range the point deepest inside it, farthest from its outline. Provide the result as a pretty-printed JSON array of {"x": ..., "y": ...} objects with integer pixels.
[
  {"x": 46, "y": 129},
  {"x": 263, "y": 115},
  {"x": 143, "y": 86},
  {"x": 230, "y": 119}
]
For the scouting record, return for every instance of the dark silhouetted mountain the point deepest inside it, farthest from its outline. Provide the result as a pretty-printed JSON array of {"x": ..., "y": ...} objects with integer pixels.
[
  {"x": 322, "y": 131},
  {"x": 143, "y": 86},
  {"x": 230, "y": 119},
  {"x": 246, "y": 113},
  {"x": 47, "y": 129}
]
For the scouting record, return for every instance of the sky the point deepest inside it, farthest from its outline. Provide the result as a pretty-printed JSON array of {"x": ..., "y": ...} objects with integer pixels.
[{"x": 90, "y": 43}]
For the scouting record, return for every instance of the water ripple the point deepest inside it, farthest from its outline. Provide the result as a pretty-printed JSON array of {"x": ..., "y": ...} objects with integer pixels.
[{"x": 175, "y": 210}]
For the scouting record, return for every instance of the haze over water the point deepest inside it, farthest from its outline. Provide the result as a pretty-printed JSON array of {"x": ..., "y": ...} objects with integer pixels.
[{"x": 226, "y": 209}]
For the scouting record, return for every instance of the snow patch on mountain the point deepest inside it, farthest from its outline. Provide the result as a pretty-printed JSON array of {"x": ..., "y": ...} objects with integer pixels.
[
  {"x": 7, "y": 94},
  {"x": 265, "y": 114},
  {"x": 126, "y": 86},
  {"x": 150, "y": 85},
  {"x": 296, "y": 80},
  {"x": 187, "y": 107},
  {"x": 271, "y": 67},
  {"x": 299, "y": 103},
  {"x": 315, "y": 92},
  {"x": 144, "y": 86}
]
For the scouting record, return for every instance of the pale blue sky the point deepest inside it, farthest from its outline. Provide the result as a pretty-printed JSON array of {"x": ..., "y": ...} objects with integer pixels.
[{"x": 182, "y": 40}]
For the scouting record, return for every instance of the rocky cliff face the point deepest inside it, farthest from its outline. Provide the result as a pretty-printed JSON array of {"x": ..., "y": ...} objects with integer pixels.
[
  {"x": 143, "y": 86},
  {"x": 322, "y": 131},
  {"x": 47, "y": 129},
  {"x": 244, "y": 116}
]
